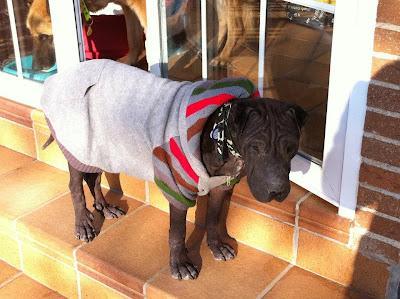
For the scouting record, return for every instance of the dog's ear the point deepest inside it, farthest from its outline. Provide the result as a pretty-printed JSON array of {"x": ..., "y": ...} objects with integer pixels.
[{"x": 298, "y": 114}]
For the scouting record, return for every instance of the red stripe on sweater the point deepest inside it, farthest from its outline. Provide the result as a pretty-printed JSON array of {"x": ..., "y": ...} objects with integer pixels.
[
  {"x": 215, "y": 100},
  {"x": 176, "y": 151},
  {"x": 256, "y": 94}
]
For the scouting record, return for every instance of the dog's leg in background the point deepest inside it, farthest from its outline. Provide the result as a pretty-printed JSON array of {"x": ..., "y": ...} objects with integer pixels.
[
  {"x": 84, "y": 228},
  {"x": 235, "y": 32},
  {"x": 93, "y": 180},
  {"x": 134, "y": 32},
  {"x": 220, "y": 250},
  {"x": 180, "y": 264},
  {"x": 222, "y": 23}
]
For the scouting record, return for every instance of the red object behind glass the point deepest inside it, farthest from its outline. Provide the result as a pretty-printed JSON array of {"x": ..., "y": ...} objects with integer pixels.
[{"x": 108, "y": 38}]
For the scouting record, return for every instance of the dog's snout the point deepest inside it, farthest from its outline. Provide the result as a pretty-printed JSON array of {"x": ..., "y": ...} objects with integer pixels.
[{"x": 279, "y": 190}]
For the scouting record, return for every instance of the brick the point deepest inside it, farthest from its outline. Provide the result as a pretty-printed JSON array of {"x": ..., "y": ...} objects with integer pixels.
[
  {"x": 381, "y": 151},
  {"x": 378, "y": 225},
  {"x": 380, "y": 178},
  {"x": 382, "y": 125},
  {"x": 388, "y": 11},
  {"x": 384, "y": 98},
  {"x": 378, "y": 201},
  {"x": 375, "y": 249},
  {"x": 387, "y": 41},
  {"x": 386, "y": 70}
]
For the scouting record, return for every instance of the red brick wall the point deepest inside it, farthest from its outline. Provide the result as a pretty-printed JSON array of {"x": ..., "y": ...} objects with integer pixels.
[{"x": 378, "y": 209}]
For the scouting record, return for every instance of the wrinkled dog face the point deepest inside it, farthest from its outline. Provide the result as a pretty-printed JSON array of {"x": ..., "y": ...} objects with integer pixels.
[{"x": 270, "y": 139}]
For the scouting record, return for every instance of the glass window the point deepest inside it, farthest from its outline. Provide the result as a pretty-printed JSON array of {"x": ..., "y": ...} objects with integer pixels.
[
  {"x": 113, "y": 32},
  {"x": 33, "y": 55},
  {"x": 297, "y": 46},
  {"x": 184, "y": 39},
  {"x": 7, "y": 55}
]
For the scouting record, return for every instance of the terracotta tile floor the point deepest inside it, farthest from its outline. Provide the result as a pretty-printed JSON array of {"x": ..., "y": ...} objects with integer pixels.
[
  {"x": 130, "y": 255},
  {"x": 15, "y": 284}
]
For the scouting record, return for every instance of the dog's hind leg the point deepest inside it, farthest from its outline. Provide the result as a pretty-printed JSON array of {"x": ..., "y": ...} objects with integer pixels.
[
  {"x": 84, "y": 228},
  {"x": 109, "y": 211}
]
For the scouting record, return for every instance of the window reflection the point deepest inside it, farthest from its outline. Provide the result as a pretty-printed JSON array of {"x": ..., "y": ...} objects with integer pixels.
[
  {"x": 298, "y": 45},
  {"x": 35, "y": 39},
  {"x": 6, "y": 46}
]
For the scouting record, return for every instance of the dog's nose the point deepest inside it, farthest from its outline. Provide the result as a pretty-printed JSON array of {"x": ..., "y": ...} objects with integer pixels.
[{"x": 279, "y": 192}]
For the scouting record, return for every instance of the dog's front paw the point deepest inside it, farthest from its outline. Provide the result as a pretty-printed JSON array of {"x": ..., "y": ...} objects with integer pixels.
[
  {"x": 219, "y": 61},
  {"x": 84, "y": 228},
  {"x": 222, "y": 251},
  {"x": 183, "y": 268},
  {"x": 109, "y": 211}
]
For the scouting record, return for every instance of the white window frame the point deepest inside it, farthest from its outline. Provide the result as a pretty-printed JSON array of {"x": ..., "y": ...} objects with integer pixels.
[
  {"x": 337, "y": 179},
  {"x": 352, "y": 46},
  {"x": 66, "y": 46}
]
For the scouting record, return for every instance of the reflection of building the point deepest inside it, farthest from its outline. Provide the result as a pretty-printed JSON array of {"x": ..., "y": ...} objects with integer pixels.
[{"x": 299, "y": 59}]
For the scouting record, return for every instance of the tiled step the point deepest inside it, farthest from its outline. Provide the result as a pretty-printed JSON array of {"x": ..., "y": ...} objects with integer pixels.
[
  {"x": 129, "y": 257},
  {"x": 15, "y": 284}
]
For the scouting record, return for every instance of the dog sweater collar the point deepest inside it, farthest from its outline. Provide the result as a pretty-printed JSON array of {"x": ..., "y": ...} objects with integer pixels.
[{"x": 187, "y": 177}]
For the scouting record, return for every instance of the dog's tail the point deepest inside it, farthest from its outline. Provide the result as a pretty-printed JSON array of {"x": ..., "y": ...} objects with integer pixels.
[{"x": 48, "y": 142}]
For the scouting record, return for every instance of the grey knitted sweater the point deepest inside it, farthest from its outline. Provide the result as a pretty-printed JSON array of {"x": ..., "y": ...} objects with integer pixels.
[{"x": 108, "y": 116}]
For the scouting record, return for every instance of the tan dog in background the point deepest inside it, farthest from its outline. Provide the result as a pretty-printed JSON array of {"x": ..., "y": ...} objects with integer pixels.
[
  {"x": 238, "y": 21},
  {"x": 39, "y": 24}
]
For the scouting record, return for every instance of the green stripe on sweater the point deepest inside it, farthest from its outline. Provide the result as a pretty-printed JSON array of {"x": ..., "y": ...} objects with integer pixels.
[
  {"x": 244, "y": 83},
  {"x": 177, "y": 196},
  {"x": 198, "y": 90}
]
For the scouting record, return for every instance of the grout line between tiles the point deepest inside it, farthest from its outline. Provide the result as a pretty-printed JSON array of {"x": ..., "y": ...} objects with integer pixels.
[
  {"x": 38, "y": 207},
  {"x": 323, "y": 237},
  {"x": 74, "y": 251},
  {"x": 16, "y": 123},
  {"x": 273, "y": 283},
  {"x": 99, "y": 274},
  {"x": 14, "y": 224},
  {"x": 325, "y": 278},
  {"x": 36, "y": 242},
  {"x": 16, "y": 275},
  {"x": 261, "y": 213},
  {"x": 106, "y": 286},
  {"x": 13, "y": 170},
  {"x": 296, "y": 228},
  {"x": 77, "y": 273},
  {"x": 151, "y": 279},
  {"x": 36, "y": 140},
  {"x": 51, "y": 257}
]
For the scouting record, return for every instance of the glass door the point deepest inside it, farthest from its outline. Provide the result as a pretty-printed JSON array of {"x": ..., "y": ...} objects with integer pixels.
[{"x": 284, "y": 47}]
